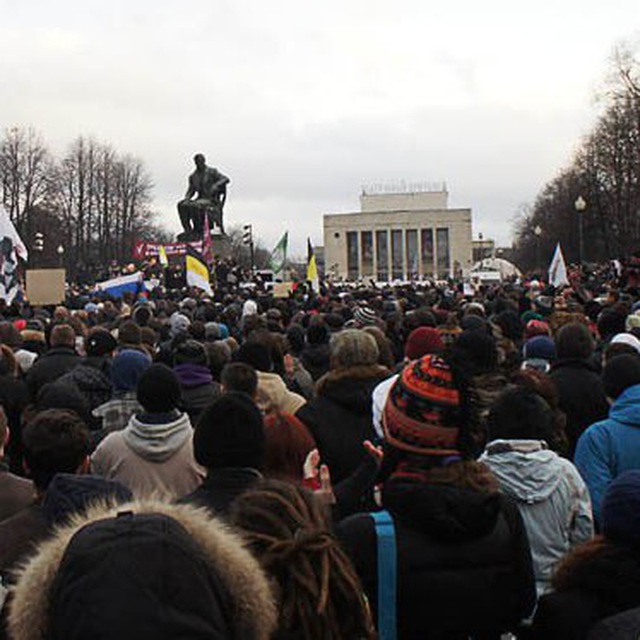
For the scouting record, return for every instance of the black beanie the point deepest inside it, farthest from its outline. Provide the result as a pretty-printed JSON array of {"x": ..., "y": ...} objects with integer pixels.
[
  {"x": 620, "y": 373},
  {"x": 256, "y": 354},
  {"x": 158, "y": 389},
  {"x": 192, "y": 352},
  {"x": 230, "y": 433}
]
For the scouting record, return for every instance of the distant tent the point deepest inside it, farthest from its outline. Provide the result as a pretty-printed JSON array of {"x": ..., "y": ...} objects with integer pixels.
[{"x": 498, "y": 267}]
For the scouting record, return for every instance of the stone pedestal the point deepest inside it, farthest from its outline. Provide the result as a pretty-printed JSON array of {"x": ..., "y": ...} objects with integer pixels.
[{"x": 221, "y": 245}]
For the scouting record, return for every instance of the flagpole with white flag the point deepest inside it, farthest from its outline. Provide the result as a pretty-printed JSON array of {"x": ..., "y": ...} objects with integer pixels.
[
  {"x": 558, "y": 269},
  {"x": 278, "y": 257}
]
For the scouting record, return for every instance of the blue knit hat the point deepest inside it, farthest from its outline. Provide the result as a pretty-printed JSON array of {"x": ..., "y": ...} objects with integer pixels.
[
  {"x": 541, "y": 347},
  {"x": 127, "y": 367}
]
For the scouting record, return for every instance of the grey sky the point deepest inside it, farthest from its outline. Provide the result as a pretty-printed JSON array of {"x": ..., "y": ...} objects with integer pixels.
[{"x": 301, "y": 103}]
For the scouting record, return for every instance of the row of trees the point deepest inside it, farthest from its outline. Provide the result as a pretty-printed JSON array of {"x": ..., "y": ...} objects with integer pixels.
[
  {"x": 93, "y": 201},
  {"x": 604, "y": 172}
]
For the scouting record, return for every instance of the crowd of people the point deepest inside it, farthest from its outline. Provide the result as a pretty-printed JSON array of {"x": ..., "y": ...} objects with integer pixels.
[{"x": 408, "y": 462}]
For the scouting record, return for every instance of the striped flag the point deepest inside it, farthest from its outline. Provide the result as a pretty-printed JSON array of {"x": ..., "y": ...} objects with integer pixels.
[
  {"x": 278, "y": 256},
  {"x": 197, "y": 271},
  {"x": 116, "y": 287},
  {"x": 312, "y": 267}
]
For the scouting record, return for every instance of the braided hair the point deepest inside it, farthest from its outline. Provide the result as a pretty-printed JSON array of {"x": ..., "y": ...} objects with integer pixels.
[{"x": 321, "y": 597}]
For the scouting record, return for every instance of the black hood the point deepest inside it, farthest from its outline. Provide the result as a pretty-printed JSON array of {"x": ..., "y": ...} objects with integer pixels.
[
  {"x": 352, "y": 388},
  {"x": 444, "y": 512}
]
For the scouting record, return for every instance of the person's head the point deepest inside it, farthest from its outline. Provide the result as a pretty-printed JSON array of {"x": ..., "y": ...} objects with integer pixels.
[
  {"x": 158, "y": 389},
  {"x": 476, "y": 350},
  {"x": 99, "y": 342},
  {"x": 422, "y": 341},
  {"x": 621, "y": 509},
  {"x": 8, "y": 363},
  {"x": 288, "y": 532},
  {"x": 9, "y": 335},
  {"x": 521, "y": 414},
  {"x": 199, "y": 161},
  {"x": 288, "y": 443},
  {"x": 62, "y": 335},
  {"x": 353, "y": 348},
  {"x": 55, "y": 441},
  {"x": 256, "y": 354},
  {"x": 129, "y": 334},
  {"x": 190, "y": 352},
  {"x": 230, "y": 433},
  {"x": 241, "y": 377},
  {"x": 127, "y": 367},
  {"x": 179, "y": 572},
  {"x": 620, "y": 373},
  {"x": 574, "y": 340}
]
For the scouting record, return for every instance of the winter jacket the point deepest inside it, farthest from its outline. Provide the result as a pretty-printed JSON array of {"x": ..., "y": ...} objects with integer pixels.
[
  {"x": 49, "y": 367},
  {"x": 152, "y": 455},
  {"x": 611, "y": 446},
  {"x": 148, "y": 570},
  {"x": 221, "y": 487},
  {"x": 14, "y": 397},
  {"x": 581, "y": 396},
  {"x": 93, "y": 383},
  {"x": 16, "y": 493},
  {"x": 315, "y": 359},
  {"x": 339, "y": 418},
  {"x": 464, "y": 564},
  {"x": 552, "y": 498},
  {"x": 272, "y": 394}
]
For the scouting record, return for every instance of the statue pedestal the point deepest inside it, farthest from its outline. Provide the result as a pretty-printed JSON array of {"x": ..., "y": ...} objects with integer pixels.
[{"x": 221, "y": 245}]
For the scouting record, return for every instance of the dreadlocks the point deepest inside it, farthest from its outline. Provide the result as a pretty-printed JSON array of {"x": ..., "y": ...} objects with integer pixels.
[{"x": 320, "y": 593}]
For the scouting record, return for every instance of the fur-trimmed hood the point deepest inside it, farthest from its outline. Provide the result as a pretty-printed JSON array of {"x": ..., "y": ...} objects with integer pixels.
[
  {"x": 249, "y": 607},
  {"x": 352, "y": 387}
]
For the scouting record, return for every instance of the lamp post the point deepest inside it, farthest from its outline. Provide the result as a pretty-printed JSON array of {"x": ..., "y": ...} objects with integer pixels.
[
  {"x": 537, "y": 231},
  {"x": 580, "y": 205},
  {"x": 60, "y": 252}
]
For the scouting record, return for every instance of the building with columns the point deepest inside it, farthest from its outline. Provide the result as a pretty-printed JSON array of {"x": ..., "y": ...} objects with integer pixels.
[{"x": 399, "y": 234}]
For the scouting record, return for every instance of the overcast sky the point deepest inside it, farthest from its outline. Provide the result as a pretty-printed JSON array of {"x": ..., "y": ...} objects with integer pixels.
[{"x": 302, "y": 103}]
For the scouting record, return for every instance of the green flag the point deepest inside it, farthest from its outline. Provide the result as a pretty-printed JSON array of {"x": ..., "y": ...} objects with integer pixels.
[{"x": 278, "y": 256}]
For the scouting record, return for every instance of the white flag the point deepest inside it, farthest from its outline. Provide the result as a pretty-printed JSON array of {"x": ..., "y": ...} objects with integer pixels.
[
  {"x": 558, "y": 269},
  {"x": 11, "y": 247}
]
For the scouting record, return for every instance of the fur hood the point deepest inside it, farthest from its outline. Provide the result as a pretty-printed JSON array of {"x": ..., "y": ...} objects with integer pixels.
[
  {"x": 251, "y": 609},
  {"x": 360, "y": 373}
]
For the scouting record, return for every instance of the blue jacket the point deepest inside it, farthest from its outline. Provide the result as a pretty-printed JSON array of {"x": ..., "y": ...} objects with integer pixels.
[{"x": 611, "y": 446}]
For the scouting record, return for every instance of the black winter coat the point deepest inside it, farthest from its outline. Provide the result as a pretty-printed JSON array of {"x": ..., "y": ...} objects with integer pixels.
[
  {"x": 581, "y": 396},
  {"x": 339, "y": 418},
  {"x": 464, "y": 564},
  {"x": 49, "y": 367}
]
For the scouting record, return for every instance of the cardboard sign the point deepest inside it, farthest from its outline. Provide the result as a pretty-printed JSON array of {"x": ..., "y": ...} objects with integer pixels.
[
  {"x": 45, "y": 286},
  {"x": 282, "y": 289}
]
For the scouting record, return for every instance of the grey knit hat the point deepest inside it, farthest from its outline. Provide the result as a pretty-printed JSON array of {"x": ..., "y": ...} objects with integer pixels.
[
  {"x": 352, "y": 348},
  {"x": 365, "y": 317}
]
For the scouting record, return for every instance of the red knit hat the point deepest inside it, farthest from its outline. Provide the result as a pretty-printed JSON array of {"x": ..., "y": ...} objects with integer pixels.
[
  {"x": 422, "y": 341},
  {"x": 419, "y": 413},
  {"x": 536, "y": 328}
]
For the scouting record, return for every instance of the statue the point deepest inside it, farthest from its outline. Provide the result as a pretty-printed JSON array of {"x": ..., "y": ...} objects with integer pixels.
[{"x": 210, "y": 188}]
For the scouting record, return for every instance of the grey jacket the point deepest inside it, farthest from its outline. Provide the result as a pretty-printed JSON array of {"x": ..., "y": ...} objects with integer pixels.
[{"x": 552, "y": 497}]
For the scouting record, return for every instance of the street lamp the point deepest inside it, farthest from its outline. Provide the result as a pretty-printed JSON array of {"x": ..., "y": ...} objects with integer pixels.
[
  {"x": 580, "y": 205},
  {"x": 60, "y": 251},
  {"x": 537, "y": 230}
]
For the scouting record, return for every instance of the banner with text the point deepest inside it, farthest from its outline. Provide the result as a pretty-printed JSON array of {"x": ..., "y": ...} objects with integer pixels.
[{"x": 142, "y": 249}]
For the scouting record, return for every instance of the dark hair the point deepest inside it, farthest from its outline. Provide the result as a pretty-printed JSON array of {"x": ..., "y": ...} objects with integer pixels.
[
  {"x": 256, "y": 354},
  {"x": 574, "y": 340},
  {"x": 620, "y": 373},
  {"x": 55, "y": 441},
  {"x": 238, "y": 376},
  {"x": 288, "y": 532},
  {"x": 288, "y": 443},
  {"x": 521, "y": 414}
]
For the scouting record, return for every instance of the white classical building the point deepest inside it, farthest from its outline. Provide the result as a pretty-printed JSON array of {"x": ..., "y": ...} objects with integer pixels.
[{"x": 399, "y": 234}]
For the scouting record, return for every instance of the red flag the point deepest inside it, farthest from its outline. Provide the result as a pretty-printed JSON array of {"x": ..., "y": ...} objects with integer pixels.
[{"x": 207, "y": 247}]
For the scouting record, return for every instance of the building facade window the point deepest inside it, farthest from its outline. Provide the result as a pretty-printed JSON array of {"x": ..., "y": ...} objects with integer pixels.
[
  {"x": 442, "y": 249},
  {"x": 352, "y": 255},
  {"x": 382, "y": 255},
  {"x": 366, "y": 246},
  {"x": 427, "y": 252},
  {"x": 397, "y": 255},
  {"x": 411, "y": 241}
]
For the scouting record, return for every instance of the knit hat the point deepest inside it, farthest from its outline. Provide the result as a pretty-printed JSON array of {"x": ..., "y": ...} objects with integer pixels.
[
  {"x": 127, "y": 367},
  {"x": 100, "y": 342},
  {"x": 365, "y": 317},
  {"x": 632, "y": 321},
  {"x": 352, "y": 348},
  {"x": 620, "y": 373},
  {"x": 158, "y": 389},
  {"x": 422, "y": 341},
  {"x": 190, "y": 351},
  {"x": 536, "y": 328},
  {"x": 621, "y": 509},
  {"x": 178, "y": 323},
  {"x": 419, "y": 415},
  {"x": 540, "y": 347},
  {"x": 230, "y": 433},
  {"x": 628, "y": 339},
  {"x": 212, "y": 331}
]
